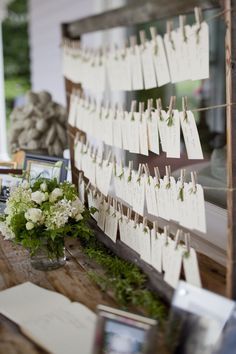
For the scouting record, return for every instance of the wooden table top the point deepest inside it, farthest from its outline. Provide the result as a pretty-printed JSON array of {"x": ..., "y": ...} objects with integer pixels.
[{"x": 71, "y": 280}]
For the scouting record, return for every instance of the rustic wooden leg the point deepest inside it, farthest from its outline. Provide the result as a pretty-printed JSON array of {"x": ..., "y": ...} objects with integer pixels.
[{"x": 230, "y": 47}]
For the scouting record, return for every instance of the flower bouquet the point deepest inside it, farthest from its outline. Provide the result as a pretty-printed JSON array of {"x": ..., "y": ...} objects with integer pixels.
[{"x": 40, "y": 215}]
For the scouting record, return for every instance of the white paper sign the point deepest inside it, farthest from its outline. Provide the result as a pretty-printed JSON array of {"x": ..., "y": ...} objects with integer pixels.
[
  {"x": 191, "y": 269},
  {"x": 173, "y": 135},
  {"x": 160, "y": 62},
  {"x": 136, "y": 69},
  {"x": 148, "y": 66}
]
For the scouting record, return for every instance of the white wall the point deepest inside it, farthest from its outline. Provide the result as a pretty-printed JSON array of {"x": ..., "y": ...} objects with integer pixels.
[{"x": 46, "y": 17}]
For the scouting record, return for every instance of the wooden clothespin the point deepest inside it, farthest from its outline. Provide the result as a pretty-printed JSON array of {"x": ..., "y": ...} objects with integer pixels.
[
  {"x": 182, "y": 22},
  {"x": 153, "y": 32},
  {"x": 168, "y": 173},
  {"x": 149, "y": 107},
  {"x": 178, "y": 237},
  {"x": 129, "y": 214},
  {"x": 130, "y": 168},
  {"x": 109, "y": 157},
  {"x": 141, "y": 109},
  {"x": 182, "y": 176},
  {"x": 169, "y": 29},
  {"x": 120, "y": 210},
  {"x": 146, "y": 169},
  {"x": 194, "y": 181},
  {"x": 136, "y": 219},
  {"x": 159, "y": 108},
  {"x": 157, "y": 175},
  {"x": 166, "y": 234},
  {"x": 185, "y": 107},
  {"x": 187, "y": 242},
  {"x": 88, "y": 186},
  {"x": 170, "y": 111},
  {"x": 133, "y": 42},
  {"x": 142, "y": 36},
  {"x": 155, "y": 228},
  {"x": 133, "y": 108},
  {"x": 109, "y": 202},
  {"x": 145, "y": 224},
  {"x": 198, "y": 18}
]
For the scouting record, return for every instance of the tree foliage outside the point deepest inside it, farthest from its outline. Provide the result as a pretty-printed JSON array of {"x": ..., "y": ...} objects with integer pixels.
[{"x": 16, "y": 52}]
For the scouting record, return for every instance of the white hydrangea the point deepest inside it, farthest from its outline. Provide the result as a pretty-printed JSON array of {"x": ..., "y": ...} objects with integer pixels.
[
  {"x": 34, "y": 214},
  {"x": 38, "y": 197},
  {"x": 58, "y": 214},
  {"x": 19, "y": 201},
  {"x": 56, "y": 193},
  {"x": 6, "y": 231}
]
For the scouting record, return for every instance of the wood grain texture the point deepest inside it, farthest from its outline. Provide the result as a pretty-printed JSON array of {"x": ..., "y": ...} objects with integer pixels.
[
  {"x": 135, "y": 13},
  {"x": 72, "y": 281},
  {"x": 230, "y": 51}
]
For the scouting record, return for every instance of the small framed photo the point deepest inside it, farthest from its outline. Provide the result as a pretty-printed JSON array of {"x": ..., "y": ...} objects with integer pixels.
[
  {"x": 120, "y": 332},
  {"x": 46, "y": 167},
  {"x": 9, "y": 178}
]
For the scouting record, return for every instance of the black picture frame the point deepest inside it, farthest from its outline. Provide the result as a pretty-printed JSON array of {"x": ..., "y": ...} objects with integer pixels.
[
  {"x": 10, "y": 175},
  {"x": 117, "y": 328},
  {"x": 42, "y": 160}
]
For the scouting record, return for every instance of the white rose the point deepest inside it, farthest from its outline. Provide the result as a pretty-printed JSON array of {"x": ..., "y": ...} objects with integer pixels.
[
  {"x": 38, "y": 197},
  {"x": 29, "y": 225},
  {"x": 56, "y": 193},
  {"x": 77, "y": 206},
  {"x": 25, "y": 184},
  {"x": 43, "y": 187},
  {"x": 78, "y": 217},
  {"x": 34, "y": 214}
]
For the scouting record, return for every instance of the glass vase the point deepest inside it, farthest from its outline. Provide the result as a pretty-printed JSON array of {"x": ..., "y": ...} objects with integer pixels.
[{"x": 42, "y": 260}]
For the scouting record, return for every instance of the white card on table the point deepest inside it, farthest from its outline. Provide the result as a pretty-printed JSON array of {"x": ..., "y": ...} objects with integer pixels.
[
  {"x": 200, "y": 52},
  {"x": 136, "y": 68},
  {"x": 191, "y": 136},
  {"x": 134, "y": 122},
  {"x": 160, "y": 62},
  {"x": 173, "y": 134},
  {"x": 145, "y": 243},
  {"x": 191, "y": 268},
  {"x": 156, "y": 250},
  {"x": 173, "y": 270},
  {"x": 153, "y": 136},
  {"x": 148, "y": 66}
]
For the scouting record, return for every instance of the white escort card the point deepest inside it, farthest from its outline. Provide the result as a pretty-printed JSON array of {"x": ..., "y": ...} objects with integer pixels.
[
  {"x": 191, "y": 136},
  {"x": 183, "y": 54}
]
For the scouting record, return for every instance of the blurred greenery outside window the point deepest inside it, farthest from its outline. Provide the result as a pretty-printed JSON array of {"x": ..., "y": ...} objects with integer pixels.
[{"x": 16, "y": 53}]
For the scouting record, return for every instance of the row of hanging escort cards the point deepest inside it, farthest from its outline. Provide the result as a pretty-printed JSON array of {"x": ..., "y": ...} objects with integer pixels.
[
  {"x": 138, "y": 132},
  {"x": 162, "y": 197},
  {"x": 183, "y": 54},
  {"x": 157, "y": 249}
]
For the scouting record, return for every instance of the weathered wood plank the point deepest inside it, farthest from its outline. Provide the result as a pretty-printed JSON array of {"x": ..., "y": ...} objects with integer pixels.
[
  {"x": 230, "y": 49},
  {"x": 135, "y": 13}
]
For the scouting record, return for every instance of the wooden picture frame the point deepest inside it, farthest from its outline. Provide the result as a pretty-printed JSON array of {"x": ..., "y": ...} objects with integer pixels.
[
  {"x": 117, "y": 328},
  {"x": 44, "y": 166},
  {"x": 8, "y": 179}
]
